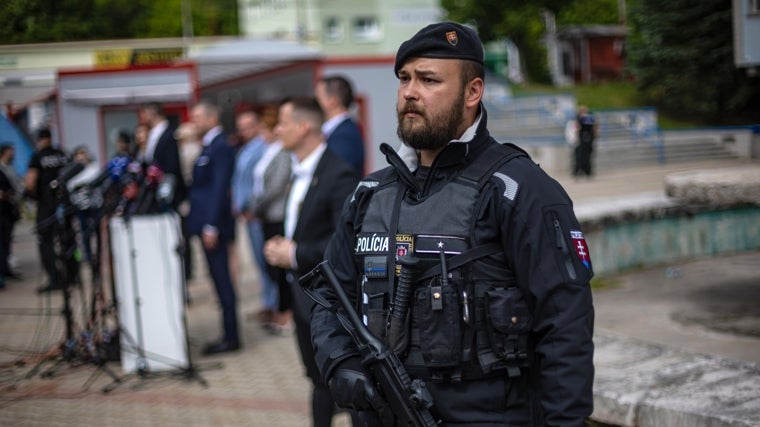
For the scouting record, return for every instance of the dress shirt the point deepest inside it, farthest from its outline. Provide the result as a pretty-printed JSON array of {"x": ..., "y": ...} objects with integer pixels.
[
  {"x": 329, "y": 126},
  {"x": 242, "y": 179},
  {"x": 303, "y": 172},
  {"x": 153, "y": 137}
]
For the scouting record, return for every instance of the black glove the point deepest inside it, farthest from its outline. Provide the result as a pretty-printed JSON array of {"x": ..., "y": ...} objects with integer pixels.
[{"x": 351, "y": 387}]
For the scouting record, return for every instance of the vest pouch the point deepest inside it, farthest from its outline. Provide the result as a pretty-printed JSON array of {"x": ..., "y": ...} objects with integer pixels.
[
  {"x": 375, "y": 310},
  {"x": 437, "y": 313},
  {"x": 508, "y": 323}
]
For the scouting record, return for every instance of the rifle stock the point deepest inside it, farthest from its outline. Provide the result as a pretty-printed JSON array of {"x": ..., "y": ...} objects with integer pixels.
[{"x": 409, "y": 400}]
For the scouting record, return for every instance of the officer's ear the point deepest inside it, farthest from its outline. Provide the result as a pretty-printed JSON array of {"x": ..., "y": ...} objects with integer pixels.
[{"x": 473, "y": 92}]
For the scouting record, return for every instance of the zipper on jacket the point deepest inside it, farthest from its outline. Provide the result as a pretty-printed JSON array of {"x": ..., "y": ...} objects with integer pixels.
[{"x": 562, "y": 246}]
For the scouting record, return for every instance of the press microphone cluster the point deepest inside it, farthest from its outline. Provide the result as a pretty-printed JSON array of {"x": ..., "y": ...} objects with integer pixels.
[
  {"x": 134, "y": 188},
  {"x": 67, "y": 172}
]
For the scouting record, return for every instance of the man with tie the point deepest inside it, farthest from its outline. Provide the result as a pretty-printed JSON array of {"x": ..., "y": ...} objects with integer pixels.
[
  {"x": 321, "y": 183},
  {"x": 211, "y": 217}
]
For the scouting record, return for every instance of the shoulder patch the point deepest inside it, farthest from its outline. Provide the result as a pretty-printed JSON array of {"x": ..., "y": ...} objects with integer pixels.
[
  {"x": 581, "y": 247},
  {"x": 365, "y": 184},
  {"x": 510, "y": 186}
]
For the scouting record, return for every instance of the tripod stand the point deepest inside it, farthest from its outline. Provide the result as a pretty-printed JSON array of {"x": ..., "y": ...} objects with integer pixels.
[
  {"x": 151, "y": 294},
  {"x": 79, "y": 346}
]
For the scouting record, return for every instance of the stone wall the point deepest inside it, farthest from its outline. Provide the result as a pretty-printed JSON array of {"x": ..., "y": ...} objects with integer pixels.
[{"x": 703, "y": 213}]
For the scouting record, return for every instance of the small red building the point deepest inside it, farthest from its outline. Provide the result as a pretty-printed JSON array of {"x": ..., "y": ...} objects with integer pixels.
[{"x": 592, "y": 53}]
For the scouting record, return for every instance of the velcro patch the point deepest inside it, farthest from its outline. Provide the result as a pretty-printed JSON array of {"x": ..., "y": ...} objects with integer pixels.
[
  {"x": 429, "y": 244},
  {"x": 581, "y": 247}
]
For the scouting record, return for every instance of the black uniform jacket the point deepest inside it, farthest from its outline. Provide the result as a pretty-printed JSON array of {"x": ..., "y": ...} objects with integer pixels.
[{"x": 531, "y": 216}]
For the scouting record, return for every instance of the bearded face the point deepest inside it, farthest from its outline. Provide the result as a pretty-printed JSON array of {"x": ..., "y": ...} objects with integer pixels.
[{"x": 430, "y": 129}]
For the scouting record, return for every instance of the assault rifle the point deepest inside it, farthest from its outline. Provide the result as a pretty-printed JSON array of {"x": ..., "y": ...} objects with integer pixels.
[{"x": 408, "y": 400}]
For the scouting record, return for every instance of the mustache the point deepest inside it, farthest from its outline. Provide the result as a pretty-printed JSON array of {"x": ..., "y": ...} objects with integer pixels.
[{"x": 411, "y": 108}]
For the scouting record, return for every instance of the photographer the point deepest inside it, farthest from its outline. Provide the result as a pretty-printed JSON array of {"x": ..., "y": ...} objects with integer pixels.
[{"x": 88, "y": 210}]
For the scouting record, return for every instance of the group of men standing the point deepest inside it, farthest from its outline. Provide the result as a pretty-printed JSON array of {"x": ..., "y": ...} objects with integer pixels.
[{"x": 327, "y": 153}]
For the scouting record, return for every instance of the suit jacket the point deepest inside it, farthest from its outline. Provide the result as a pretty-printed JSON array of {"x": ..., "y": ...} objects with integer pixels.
[
  {"x": 270, "y": 205},
  {"x": 210, "y": 202},
  {"x": 333, "y": 182},
  {"x": 346, "y": 140},
  {"x": 166, "y": 157}
]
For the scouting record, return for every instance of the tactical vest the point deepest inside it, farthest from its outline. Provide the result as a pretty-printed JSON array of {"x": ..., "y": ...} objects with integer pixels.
[{"x": 451, "y": 310}]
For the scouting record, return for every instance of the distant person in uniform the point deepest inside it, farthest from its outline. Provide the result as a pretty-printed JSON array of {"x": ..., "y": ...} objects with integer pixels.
[{"x": 587, "y": 132}]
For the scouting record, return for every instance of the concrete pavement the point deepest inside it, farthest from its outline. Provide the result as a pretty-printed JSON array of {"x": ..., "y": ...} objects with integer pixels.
[{"x": 644, "y": 313}]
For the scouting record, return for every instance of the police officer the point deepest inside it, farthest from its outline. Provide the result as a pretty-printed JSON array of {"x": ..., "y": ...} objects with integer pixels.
[
  {"x": 44, "y": 167},
  {"x": 499, "y": 318}
]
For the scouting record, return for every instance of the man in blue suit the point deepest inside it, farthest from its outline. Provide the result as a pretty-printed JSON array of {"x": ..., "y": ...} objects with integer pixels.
[
  {"x": 211, "y": 217},
  {"x": 344, "y": 138}
]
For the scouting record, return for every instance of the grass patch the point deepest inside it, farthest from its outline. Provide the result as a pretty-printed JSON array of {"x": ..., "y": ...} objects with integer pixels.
[
  {"x": 605, "y": 95},
  {"x": 601, "y": 282}
]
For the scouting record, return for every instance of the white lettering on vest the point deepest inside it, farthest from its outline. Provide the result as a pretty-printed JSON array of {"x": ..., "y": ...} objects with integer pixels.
[{"x": 371, "y": 244}]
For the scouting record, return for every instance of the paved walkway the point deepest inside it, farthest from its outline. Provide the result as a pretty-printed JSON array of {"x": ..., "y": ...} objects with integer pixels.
[{"x": 263, "y": 385}]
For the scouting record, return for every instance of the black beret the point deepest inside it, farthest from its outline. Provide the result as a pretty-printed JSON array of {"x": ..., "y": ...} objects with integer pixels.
[{"x": 446, "y": 40}]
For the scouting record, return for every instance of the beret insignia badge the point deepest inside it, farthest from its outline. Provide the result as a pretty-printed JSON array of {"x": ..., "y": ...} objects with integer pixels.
[{"x": 452, "y": 38}]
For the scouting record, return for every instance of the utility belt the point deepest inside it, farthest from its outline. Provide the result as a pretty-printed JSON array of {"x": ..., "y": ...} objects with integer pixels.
[{"x": 456, "y": 328}]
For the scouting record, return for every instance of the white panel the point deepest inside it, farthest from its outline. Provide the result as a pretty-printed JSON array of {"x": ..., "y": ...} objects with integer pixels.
[{"x": 149, "y": 289}]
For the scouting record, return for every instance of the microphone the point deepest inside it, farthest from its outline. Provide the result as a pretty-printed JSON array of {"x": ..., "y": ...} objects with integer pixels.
[
  {"x": 67, "y": 172},
  {"x": 113, "y": 170},
  {"x": 166, "y": 190},
  {"x": 129, "y": 184},
  {"x": 153, "y": 177}
]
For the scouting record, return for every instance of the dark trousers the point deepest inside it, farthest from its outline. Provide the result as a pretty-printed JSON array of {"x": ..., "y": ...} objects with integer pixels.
[
  {"x": 219, "y": 267},
  {"x": 57, "y": 248},
  {"x": 583, "y": 158},
  {"x": 6, "y": 236},
  {"x": 322, "y": 403}
]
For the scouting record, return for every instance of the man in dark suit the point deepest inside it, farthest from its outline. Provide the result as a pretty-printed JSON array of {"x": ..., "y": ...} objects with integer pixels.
[
  {"x": 162, "y": 149},
  {"x": 211, "y": 217},
  {"x": 335, "y": 96},
  {"x": 321, "y": 183}
]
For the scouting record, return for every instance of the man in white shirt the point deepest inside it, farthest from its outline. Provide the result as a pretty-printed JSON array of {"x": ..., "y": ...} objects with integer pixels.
[{"x": 320, "y": 185}]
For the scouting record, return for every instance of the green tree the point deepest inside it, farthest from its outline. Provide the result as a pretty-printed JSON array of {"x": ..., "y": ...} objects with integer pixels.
[
  {"x": 39, "y": 21},
  {"x": 681, "y": 54},
  {"x": 522, "y": 21}
]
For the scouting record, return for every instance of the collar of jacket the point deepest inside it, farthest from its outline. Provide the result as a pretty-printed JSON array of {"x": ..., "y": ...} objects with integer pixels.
[{"x": 457, "y": 153}]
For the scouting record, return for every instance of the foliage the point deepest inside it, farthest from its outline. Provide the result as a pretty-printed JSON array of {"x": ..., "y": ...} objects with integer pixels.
[
  {"x": 37, "y": 21},
  {"x": 681, "y": 53},
  {"x": 522, "y": 21},
  {"x": 585, "y": 12}
]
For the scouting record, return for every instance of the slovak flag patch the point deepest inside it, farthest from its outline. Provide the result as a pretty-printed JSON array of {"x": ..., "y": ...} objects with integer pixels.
[{"x": 581, "y": 247}]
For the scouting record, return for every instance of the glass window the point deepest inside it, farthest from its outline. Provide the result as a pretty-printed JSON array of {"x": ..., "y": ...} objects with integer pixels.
[
  {"x": 367, "y": 28},
  {"x": 333, "y": 30}
]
